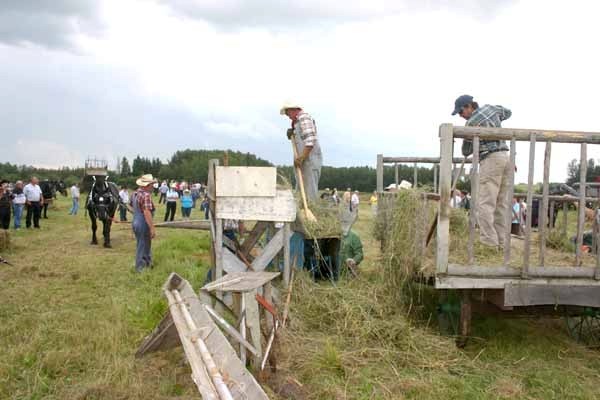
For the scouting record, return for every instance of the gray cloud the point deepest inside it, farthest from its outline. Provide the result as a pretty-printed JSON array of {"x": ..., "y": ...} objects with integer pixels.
[
  {"x": 293, "y": 13},
  {"x": 48, "y": 23}
]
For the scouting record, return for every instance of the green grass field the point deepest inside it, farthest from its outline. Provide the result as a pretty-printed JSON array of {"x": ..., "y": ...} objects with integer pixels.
[{"x": 72, "y": 316}]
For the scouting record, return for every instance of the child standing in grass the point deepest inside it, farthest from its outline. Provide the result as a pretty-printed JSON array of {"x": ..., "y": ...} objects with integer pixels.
[{"x": 186, "y": 204}]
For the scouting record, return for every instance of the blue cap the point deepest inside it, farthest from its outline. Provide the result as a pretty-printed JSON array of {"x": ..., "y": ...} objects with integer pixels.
[{"x": 461, "y": 102}]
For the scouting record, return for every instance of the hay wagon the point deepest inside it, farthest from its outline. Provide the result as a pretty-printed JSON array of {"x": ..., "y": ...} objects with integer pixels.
[{"x": 524, "y": 277}]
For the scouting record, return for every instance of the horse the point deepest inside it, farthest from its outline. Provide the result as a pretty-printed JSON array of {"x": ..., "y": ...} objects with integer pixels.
[{"x": 102, "y": 203}]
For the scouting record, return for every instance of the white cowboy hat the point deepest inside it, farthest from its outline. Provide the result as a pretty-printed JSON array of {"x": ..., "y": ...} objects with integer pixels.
[
  {"x": 288, "y": 104},
  {"x": 145, "y": 180}
]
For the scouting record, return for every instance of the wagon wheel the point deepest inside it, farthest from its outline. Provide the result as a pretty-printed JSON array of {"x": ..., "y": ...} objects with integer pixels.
[{"x": 583, "y": 324}]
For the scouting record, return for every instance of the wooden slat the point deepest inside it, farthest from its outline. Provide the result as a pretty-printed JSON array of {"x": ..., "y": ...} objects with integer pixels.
[
  {"x": 596, "y": 222},
  {"x": 421, "y": 160},
  {"x": 415, "y": 175},
  {"x": 551, "y": 213},
  {"x": 581, "y": 209},
  {"x": 435, "y": 170},
  {"x": 468, "y": 132},
  {"x": 379, "y": 173},
  {"x": 253, "y": 324},
  {"x": 527, "y": 244},
  {"x": 396, "y": 176},
  {"x": 469, "y": 282},
  {"x": 474, "y": 200},
  {"x": 287, "y": 267},
  {"x": 270, "y": 251},
  {"x": 246, "y": 181},
  {"x": 565, "y": 209},
  {"x": 443, "y": 224},
  {"x": 492, "y": 271},
  {"x": 280, "y": 208},
  {"x": 536, "y": 295},
  {"x": 511, "y": 192},
  {"x": 163, "y": 337},
  {"x": 543, "y": 207},
  {"x": 253, "y": 237},
  {"x": 231, "y": 263}
]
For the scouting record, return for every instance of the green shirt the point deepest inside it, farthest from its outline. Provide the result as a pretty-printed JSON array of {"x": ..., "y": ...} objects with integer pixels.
[{"x": 351, "y": 248}]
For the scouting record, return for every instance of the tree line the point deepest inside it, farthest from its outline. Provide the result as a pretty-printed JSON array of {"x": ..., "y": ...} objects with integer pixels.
[{"x": 192, "y": 166}]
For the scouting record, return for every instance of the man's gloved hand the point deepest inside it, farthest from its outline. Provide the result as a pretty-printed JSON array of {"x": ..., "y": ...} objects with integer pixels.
[{"x": 290, "y": 133}]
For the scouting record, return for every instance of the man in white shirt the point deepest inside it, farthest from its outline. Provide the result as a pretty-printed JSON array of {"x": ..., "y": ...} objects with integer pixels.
[
  {"x": 124, "y": 196},
  {"x": 354, "y": 201},
  {"x": 75, "y": 197},
  {"x": 163, "y": 189},
  {"x": 172, "y": 197},
  {"x": 34, "y": 201}
]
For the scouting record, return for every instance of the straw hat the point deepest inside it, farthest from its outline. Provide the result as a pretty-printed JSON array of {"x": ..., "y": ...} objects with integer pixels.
[
  {"x": 288, "y": 104},
  {"x": 145, "y": 180}
]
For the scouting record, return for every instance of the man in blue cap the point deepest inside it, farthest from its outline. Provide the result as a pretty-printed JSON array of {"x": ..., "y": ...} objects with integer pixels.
[{"x": 494, "y": 168}]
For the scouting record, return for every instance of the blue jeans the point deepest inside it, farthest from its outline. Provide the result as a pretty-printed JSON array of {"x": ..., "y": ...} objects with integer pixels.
[
  {"x": 75, "y": 207},
  {"x": 17, "y": 214}
]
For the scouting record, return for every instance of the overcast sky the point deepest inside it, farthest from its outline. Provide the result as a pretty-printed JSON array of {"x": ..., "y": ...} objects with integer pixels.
[{"x": 120, "y": 77}]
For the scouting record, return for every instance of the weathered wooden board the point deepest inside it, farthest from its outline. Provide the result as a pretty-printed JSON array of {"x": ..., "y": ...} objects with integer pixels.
[
  {"x": 239, "y": 380},
  {"x": 280, "y": 208},
  {"x": 163, "y": 337},
  {"x": 467, "y": 282},
  {"x": 269, "y": 252},
  {"x": 246, "y": 181},
  {"x": 241, "y": 281},
  {"x": 231, "y": 263},
  {"x": 524, "y": 294}
]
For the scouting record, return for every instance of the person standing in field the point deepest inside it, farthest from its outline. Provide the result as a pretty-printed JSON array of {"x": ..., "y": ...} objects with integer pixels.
[
  {"x": 124, "y": 200},
  {"x": 75, "y": 198},
  {"x": 142, "y": 224},
  {"x": 163, "y": 189},
  {"x": 34, "y": 202},
  {"x": 18, "y": 204},
  {"x": 5, "y": 207},
  {"x": 303, "y": 135},
  {"x": 373, "y": 203},
  {"x": 354, "y": 201},
  {"x": 495, "y": 168},
  {"x": 186, "y": 204},
  {"x": 172, "y": 197}
]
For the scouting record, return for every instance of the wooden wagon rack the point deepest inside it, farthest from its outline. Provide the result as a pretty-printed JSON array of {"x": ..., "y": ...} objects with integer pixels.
[{"x": 534, "y": 284}]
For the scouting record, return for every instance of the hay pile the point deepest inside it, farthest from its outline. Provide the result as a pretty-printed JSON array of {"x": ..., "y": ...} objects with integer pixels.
[
  {"x": 4, "y": 239},
  {"x": 327, "y": 225}
]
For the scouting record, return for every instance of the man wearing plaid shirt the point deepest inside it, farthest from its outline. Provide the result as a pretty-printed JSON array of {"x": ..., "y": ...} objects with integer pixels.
[
  {"x": 494, "y": 164},
  {"x": 310, "y": 158}
]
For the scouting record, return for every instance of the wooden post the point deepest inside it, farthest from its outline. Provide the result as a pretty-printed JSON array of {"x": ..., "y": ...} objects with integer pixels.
[
  {"x": 218, "y": 246},
  {"x": 474, "y": 199},
  {"x": 435, "y": 168},
  {"x": 287, "y": 268},
  {"x": 443, "y": 225},
  {"x": 581, "y": 210},
  {"x": 596, "y": 217},
  {"x": 543, "y": 207},
  {"x": 243, "y": 327},
  {"x": 253, "y": 323},
  {"x": 379, "y": 173},
  {"x": 551, "y": 213},
  {"x": 396, "y": 176},
  {"x": 511, "y": 193},
  {"x": 565, "y": 207},
  {"x": 527, "y": 244},
  {"x": 415, "y": 179}
]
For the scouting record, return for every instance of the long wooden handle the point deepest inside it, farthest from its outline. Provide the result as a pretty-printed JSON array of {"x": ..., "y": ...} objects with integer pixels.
[{"x": 299, "y": 174}]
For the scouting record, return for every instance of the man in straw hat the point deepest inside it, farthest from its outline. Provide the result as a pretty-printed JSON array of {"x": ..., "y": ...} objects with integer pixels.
[
  {"x": 303, "y": 133},
  {"x": 494, "y": 165},
  {"x": 142, "y": 224}
]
